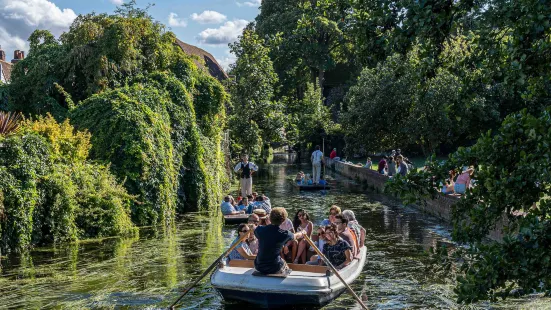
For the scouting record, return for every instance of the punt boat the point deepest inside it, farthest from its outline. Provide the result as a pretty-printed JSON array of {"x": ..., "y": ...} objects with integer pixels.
[
  {"x": 313, "y": 187},
  {"x": 305, "y": 286},
  {"x": 236, "y": 218}
]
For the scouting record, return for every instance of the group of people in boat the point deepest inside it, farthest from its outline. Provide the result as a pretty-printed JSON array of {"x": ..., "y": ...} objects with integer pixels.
[
  {"x": 306, "y": 179},
  {"x": 272, "y": 240},
  {"x": 246, "y": 204}
]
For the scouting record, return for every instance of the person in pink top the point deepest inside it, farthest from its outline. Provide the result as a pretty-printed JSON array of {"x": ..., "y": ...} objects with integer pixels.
[{"x": 463, "y": 181}]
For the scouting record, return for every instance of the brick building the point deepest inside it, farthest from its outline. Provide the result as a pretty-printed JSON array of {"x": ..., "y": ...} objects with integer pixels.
[{"x": 6, "y": 67}]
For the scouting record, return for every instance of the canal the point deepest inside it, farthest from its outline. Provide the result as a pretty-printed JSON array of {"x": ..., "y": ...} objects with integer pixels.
[{"x": 149, "y": 271}]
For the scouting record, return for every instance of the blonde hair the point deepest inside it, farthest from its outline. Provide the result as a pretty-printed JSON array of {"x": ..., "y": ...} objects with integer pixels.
[
  {"x": 278, "y": 216},
  {"x": 335, "y": 208}
]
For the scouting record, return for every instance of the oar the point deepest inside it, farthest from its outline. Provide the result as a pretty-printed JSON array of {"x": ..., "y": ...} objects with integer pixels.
[
  {"x": 208, "y": 270},
  {"x": 328, "y": 263}
]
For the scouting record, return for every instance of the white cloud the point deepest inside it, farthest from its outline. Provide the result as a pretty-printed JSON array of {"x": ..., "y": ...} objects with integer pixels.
[
  {"x": 117, "y": 2},
  {"x": 252, "y": 3},
  {"x": 175, "y": 21},
  {"x": 208, "y": 17},
  {"x": 224, "y": 34},
  {"x": 18, "y": 19},
  {"x": 227, "y": 60}
]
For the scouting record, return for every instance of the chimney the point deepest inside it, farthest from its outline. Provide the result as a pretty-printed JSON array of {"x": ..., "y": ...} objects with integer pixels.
[
  {"x": 17, "y": 56},
  {"x": 2, "y": 54}
]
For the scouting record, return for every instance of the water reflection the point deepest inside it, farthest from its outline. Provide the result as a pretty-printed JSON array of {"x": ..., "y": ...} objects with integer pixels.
[{"x": 149, "y": 272}]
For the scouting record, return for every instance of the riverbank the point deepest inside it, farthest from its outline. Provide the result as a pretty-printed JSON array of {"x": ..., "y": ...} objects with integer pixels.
[{"x": 440, "y": 207}]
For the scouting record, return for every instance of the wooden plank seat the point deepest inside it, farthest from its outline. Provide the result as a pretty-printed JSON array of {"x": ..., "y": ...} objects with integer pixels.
[{"x": 295, "y": 267}]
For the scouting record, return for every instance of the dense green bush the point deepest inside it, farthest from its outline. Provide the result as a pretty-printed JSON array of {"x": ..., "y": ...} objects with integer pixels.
[
  {"x": 147, "y": 131},
  {"x": 51, "y": 193},
  {"x": 513, "y": 186}
]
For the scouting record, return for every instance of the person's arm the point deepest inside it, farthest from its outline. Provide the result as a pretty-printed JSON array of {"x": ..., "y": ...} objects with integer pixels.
[
  {"x": 309, "y": 229},
  {"x": 348, "y": 260},
  {"x": 237, "y": 167},
  {"x": 253, "y": 166},
  {"x": 245, "y": 254}
]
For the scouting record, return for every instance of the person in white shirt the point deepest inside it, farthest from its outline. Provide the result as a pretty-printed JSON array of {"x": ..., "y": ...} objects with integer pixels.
[
  {"x": 317, "y": 159},
  {"x": 246, "y": 169}
]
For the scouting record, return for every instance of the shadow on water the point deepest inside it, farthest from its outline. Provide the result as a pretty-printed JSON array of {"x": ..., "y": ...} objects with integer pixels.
[{"x": 150, "y": 271}]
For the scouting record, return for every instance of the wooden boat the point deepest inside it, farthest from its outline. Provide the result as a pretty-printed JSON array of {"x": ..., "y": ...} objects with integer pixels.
[
  {"x": 236, "y": 218},
  {"x": 305, "y": 187},
  {"x": 306, "y": 286}
]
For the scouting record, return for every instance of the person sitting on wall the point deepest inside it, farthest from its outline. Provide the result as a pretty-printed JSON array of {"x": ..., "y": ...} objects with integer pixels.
[
  {"x": 447, "y": 188},
  {"x": 463, "y": 181},
  {"x": 334, "y": 156},
  {"x": 242, "y": 251},
  {"x": 402, "y": 166},
  {"x": 368, "y": 163},
  {"x": 271, "y": 239},
  {"x": 228, "y": 208},
  {"x": 382, "y": 166}
]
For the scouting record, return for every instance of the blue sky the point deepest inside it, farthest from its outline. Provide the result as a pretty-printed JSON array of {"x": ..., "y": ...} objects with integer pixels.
[{"x": 208, "y": 24}]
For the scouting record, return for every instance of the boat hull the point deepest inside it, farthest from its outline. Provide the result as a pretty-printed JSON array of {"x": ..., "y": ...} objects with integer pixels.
[
  {"x": 236, "y": 219},
  {"x": 300, "y": 288},
  {"x": 278, "y": 300}
]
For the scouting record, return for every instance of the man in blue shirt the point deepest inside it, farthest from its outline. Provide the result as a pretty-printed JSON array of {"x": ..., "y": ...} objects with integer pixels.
[
  {"x": 270, "y": 242},
  {"x": 227, "y": 208}
]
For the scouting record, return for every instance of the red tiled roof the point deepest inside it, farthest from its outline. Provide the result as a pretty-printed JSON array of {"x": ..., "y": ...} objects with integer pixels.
[{"x": 206, "y": 60}]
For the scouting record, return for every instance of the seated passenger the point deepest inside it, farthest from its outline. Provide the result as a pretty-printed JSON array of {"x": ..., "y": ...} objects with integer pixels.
[
  {"x": 270, "y": 241},
  {"x": 347, "y": 234},
  {"x": 250, "y": 205},
  {"x": 227, "y": 207},
  {"x": 333, "y": 211},
  {"x": 242, "y": 251},
  {"x": 355, "y": 226},
  {"x": 244, "y": 205},
  {"x": 322, "y": 181},
  {"x": 302, "y": 223},
  {"x": 291, "y": 246},
  {"x": 261, "y": 204},
  {"x": 337, "y": 251},
  {"x": 253, "y": 222}
]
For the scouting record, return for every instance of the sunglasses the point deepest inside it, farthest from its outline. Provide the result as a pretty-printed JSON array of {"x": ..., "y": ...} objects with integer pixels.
[
  {"x": 301, "y": 215},
  {"x": 332, "y": 213},
  {"x": 338, "y": 223},
  {"x": 247, "y": 230}
]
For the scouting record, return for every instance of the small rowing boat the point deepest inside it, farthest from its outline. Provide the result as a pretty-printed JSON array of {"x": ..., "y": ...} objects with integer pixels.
[
  {"x": 236, "y": 218},
  {"x": 312, "y": 187},
  {"x": 304, "y": 286}
]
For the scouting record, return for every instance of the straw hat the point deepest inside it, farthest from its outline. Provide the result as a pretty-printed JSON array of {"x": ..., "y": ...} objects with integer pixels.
[{"x": 260, "y": 212}]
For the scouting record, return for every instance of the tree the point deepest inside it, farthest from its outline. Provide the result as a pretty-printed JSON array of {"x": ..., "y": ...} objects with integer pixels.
[
  {"x": 255, "y": 113},
  {"x": 513, "y": 181}
]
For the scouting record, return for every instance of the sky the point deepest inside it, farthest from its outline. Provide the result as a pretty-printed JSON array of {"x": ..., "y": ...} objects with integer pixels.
[{"x": 208, "y": 24}]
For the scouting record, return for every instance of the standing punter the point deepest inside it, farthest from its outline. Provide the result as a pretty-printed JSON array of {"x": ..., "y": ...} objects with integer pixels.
[
  {"x": 317, "y": 158},
  {"x": 247, "y": 169}
]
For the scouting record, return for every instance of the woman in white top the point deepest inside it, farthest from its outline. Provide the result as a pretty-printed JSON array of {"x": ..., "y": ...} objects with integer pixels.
[{"x": 302, "y": 223}]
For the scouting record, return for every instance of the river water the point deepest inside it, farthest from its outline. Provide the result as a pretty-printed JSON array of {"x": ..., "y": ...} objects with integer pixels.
[{"x": 150, "y": 271}]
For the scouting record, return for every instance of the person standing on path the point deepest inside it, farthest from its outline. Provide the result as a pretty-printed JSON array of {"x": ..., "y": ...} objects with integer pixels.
[
  {"x": 246, "y": 167},
  {"x": 317, "y": 159}
]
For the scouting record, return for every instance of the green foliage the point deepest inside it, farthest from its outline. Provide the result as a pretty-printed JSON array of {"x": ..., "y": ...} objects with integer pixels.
[
  {"x": 513, "y": 183},
  {"x": 255, "y": 113},
  {"x": 49, "y": 189}
]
